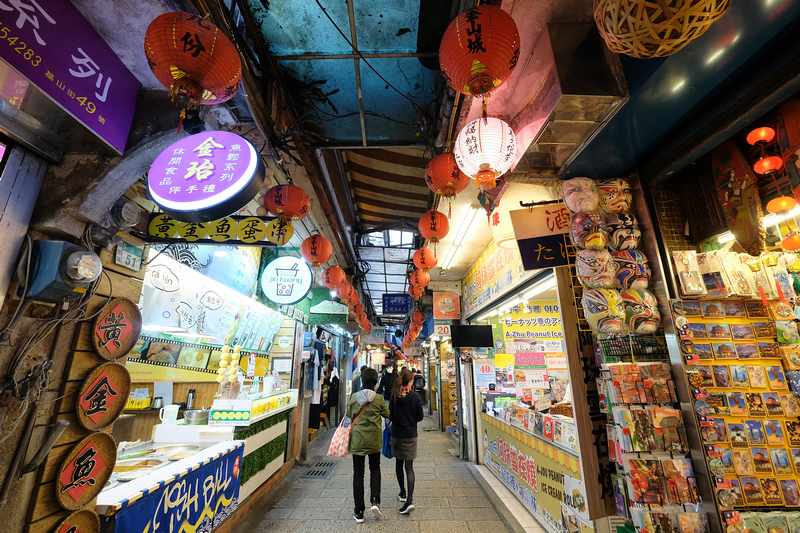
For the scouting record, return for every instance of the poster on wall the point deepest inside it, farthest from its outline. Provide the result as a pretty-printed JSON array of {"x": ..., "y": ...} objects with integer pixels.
[{"x": 446, "y": 305}]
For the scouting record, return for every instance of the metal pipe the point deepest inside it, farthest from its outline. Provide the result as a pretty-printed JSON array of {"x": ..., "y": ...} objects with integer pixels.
[{"x": 55, "y": 434}]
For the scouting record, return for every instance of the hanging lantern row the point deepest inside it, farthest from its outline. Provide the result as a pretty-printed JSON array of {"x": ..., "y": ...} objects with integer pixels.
[
  {"x": 425, "y": 258},
  {"x": 434, "y": 226},
  {"x": 416, "y": 291},
  {"x": 420, "y": 278},
  {"x": 332, "y": 277},
  {"x": 770, "y": 165},
  {"x": 418, "y": 317},
  {"x": 444, "y": 178},
  {"x": 193, "y": 59}
]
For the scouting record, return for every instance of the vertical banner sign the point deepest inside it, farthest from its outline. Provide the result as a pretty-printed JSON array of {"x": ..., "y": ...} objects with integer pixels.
[
  {"x": 197, "y": 501},
  {"x": 50, "y": 43},
  {"x": 541, "y": 234},
  {"x": 446, "y": 305}
]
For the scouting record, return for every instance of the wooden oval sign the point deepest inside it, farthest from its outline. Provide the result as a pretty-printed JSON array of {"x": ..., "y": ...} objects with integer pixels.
[
  {"x": 83, "y": 521},
  {"x": 102, "y": 396},
  {"x": 85, "y": 471},
  {"x": 117, "y": 328}
]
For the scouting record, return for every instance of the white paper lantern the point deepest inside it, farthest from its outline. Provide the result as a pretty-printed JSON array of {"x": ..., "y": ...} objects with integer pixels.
[{"x": 485, "y": 150}]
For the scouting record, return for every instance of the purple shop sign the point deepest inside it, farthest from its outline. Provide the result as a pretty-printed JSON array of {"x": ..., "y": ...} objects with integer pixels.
[
  {"x": 51, "y": 44},
  {"x": 206, "y": 176}
]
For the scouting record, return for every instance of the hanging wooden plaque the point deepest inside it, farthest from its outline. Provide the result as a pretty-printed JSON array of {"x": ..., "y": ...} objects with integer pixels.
[
  {"x": 117, "y": 328},
  {"x": 83, "y": 521},
  {"x": 85, "y": 471},
  {"x": 102, "y": 396}
]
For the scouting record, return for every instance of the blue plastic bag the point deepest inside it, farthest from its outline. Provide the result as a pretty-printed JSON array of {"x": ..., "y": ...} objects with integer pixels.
[{"x": 386, "y": 449}]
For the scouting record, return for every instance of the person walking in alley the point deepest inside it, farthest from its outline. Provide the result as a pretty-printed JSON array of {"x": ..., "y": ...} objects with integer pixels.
[
  {"x": 405, "y": 406},
  {"x": 366, "y": 440},
  {"x": 389, "y": 376}
]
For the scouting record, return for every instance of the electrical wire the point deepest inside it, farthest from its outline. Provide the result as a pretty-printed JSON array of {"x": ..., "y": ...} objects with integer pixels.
[{"x": 29, "y": 250}]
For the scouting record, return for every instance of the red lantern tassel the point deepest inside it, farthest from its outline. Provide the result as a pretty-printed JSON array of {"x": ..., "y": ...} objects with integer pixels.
[
  {"x": 180, "y": 122},
  {"x": 781, "y": 297},
  {"x": 763, "y": 295}
]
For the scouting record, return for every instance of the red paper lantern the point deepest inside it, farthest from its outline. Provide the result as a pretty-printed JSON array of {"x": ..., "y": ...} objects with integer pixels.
[
  {"x": 420, "y": 278},
  {"x": 345, "y": 291},
  {"x": 791, "y": 242},
  {"x": 287, "y": 201},
  {"x": 434, "y": 225},
  {"x": 764, "y": 165},
  {"x": 353, "y": 300},
  {"x": 367, "y": 327},
  {"x": 414, "y": 328},
  {"x": 418, "y": 317},
  {"x": 781, "y": 204},
  {"x": 444, "y": 177},
  {"x": 479, "y": 50},
  {"x": 333, "y": 276},
  {"x": 193, "y": 59},
  {"x": 361, "y": 317},
  {"x": 316, "y": 250},
  {"x": 425, "y": 258},
  {"x": 358, "y": 309},
  {"x": 760, "y": 135},
  {"x": 416, "y": 292}
]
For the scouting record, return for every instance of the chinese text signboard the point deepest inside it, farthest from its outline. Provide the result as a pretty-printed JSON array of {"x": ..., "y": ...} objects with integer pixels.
[
  {"x": 228, "y": 230},
  {"x": 197, "y": 501},
  {"x": 50, "y": 43},
  {"x": 541, "y": 234},
  {"x": 205, "y": 177},
  {"x": 396, "y": 304},
  {"x": 495, "y": 273}
]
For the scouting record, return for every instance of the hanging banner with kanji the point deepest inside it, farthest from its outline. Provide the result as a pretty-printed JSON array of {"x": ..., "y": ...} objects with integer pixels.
[
  {"x": 229, "y": 230},
  {"x": 541, "y": 234}
]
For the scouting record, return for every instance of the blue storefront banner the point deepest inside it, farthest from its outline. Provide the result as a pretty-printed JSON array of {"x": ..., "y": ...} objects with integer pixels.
[
  {"x": 545, "y": 251},
  {"x": 195, "y": 502},
  {"x": 396, "y": 304}
]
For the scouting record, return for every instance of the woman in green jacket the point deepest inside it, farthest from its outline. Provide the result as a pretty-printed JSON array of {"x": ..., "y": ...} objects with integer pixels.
[{"x": 366, "y": 439}]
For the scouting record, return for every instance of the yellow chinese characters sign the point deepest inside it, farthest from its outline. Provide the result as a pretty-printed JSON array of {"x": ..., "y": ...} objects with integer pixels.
[
  {"x": 228, "y": 230},
  {"x": 544, "y": 478}
]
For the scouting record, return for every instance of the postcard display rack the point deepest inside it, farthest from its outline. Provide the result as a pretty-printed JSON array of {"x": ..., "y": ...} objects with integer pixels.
[
  {"x": 739, "y": 343},
  {"x": 652, "y": 476}
]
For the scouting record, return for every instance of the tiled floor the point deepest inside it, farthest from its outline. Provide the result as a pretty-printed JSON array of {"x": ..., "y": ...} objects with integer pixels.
[{"x": 447, "y": 496}]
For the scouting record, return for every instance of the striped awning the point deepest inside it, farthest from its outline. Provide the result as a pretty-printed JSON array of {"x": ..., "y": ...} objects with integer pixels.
[{"x": 388, "y": 185}]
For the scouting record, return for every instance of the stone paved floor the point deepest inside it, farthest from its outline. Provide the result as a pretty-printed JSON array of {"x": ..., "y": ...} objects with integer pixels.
[{"x": 447, "y": 497}]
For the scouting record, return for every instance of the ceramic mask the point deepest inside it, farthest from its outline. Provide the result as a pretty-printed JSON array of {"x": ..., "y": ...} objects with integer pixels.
[
  {"x": 603, "y": 310},
  {"x": 595, "y": 269},
  {"x": 641, "y": 311},
  {"x": 580, "y": 194},
  {"x": 615, "y": 195},
  {"x": 623, "y": 231},
  {"x": 633, "y": 270},
  {"x": 587, "y": 229}
]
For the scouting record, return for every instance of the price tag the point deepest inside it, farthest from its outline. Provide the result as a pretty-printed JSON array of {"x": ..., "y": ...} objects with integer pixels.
[
  {"x": 732, "y": 517},
  {"x": 129, "y": 256},
  {"x": 700, "y": 394},
  {"x": 723, "y": 483},
  {"x": 692, "y": 359}
]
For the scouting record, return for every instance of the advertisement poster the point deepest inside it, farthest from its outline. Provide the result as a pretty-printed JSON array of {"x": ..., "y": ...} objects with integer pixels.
[
  {"x": 484, "y": 374},
  {"x": 445, "y": 305},
  {"x": 546, "y": 479},
  {"x": 198, "y": 501},
  {"x": 530, "y": 375},
  {"x": 495, "y": 272}
]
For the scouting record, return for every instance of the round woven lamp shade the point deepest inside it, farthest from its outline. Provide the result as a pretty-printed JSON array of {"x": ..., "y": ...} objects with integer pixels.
[
  {"x": 287, "y": 201},
  {"x": 333, "y": 276},
  {"x": 654, "y": 28},
  {"x": 316, "y": 250},
  {"x": 192, "y": 58},
  {"x": 479, "y": 50}
]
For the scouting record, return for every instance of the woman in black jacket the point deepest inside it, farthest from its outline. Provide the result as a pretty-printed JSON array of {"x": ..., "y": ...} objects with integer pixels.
[{"x": 405, "y": 406}]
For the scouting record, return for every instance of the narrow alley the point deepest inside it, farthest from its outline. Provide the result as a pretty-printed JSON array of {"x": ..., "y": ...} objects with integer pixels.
[{"x": 448, "y": 497}]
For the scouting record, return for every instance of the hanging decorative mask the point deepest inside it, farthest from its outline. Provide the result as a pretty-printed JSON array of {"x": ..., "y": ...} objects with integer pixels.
[
  {"x": 615, "y": 195},
  {"x": 580, "y": 194},
  {"x": 587, "y": 229},
  {"x": 603, "y": 310},
  {"x": 623, "y": 231},
  {"x": 595, "y": 269},
  {"x": 641, "y": 311},
  {"x": 633, "y": 270}
]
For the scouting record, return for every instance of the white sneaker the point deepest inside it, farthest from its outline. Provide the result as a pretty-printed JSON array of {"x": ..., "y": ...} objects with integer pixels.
[
  {"x": 401, "y": 498},
  {"x": 376, "y": 512},
  {"x": 407, "y": 508}
]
